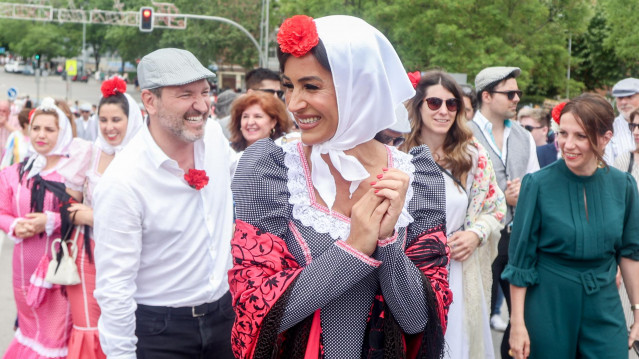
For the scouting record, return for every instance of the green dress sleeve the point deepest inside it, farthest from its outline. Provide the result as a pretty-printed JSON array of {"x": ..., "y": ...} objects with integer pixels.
[
  {"x": 630, "y": 237},
  {"x": 521, "y": 270}
]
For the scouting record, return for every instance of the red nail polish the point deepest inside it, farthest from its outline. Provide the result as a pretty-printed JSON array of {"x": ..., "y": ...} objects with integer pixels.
[
  {"x": 380, "y": 176},
  {"x": 373, "y": 183},
  {"x": 384, "y": 169},
  {"x": 376, "y": 190}
]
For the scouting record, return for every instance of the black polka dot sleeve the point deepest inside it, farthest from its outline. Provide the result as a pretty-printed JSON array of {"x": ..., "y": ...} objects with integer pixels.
[{"x": 259, "y": 188}]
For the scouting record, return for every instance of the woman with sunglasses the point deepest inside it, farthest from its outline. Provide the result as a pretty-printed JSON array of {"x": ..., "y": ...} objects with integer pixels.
[
  {"x": 576, "y": 221},
  {"x": 339, "y": 249},
  {"x": 475, "y": 208}
]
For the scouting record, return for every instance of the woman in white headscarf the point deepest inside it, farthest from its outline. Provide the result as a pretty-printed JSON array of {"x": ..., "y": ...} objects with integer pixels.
[
  {"x": 119, "y": 119},
  {"x": 340, "y": 247},
  {"x": 31, "y": 201}
]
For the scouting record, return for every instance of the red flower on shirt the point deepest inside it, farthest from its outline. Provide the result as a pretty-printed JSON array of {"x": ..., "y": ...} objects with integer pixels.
[
  {"x": 196, "y": 178},
  {"x": 297, "y": 35}
]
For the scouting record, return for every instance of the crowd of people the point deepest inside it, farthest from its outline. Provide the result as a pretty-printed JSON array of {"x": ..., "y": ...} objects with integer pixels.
[{"x": 340, "y": 208}]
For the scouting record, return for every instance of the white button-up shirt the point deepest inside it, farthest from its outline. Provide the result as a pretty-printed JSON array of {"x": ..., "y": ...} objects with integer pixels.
[
  {"x": 621, "y": 141},
  {"x": 158, "y": 241},
  {"x": 487, "y": 129}
]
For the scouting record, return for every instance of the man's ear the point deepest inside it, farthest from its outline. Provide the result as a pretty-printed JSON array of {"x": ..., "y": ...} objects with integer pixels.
[{"x": 149, "y": 100}]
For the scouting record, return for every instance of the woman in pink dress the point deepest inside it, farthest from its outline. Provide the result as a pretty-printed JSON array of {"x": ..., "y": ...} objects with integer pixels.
[
  {"x": 31, "y": 194},
  {"x": 119, "y": 119}
]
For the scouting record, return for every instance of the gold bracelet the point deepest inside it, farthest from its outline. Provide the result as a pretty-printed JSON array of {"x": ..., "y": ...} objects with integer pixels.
[{"x": 634, "y": 306}]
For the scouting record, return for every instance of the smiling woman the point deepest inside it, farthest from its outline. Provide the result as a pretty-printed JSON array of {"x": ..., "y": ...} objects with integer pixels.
[
  {"x": 345, "y": 235},
  {"x": 33, "y": 205},
  {"x": 567, "y": 241},
  {"x": 256, "y": 116}
]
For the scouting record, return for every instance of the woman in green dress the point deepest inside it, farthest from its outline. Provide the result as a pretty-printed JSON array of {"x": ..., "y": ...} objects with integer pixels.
[{"x": 576, "y": 221}]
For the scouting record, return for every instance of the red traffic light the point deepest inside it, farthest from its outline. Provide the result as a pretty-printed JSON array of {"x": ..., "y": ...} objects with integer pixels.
[{"x": 146, "y": 19}]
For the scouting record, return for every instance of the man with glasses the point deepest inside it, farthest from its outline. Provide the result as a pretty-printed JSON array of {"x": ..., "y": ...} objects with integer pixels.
[
  {"x": 513, "y": 153},
  {"x": 626, "y": 93},
  {"x": 264, "y": 80},
  {"x": 537, "y": 122}
]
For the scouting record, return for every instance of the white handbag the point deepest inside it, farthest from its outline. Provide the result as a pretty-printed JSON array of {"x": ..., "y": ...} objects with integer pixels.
[{"x": 64, "y": 272}]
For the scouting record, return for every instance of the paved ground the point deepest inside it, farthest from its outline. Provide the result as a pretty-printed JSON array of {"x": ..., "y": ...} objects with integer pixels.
[{"x": 55, "y": 87}]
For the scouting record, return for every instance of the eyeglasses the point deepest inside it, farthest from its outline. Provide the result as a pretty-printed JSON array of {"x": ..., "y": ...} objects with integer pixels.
[
  {"x": 531, "y": 128},
  {"x": 389, "y": 140},
  {"x": 279, "y": 93},
  {"x": 510, "y": 94},
  {"x": 632, "y": 126},
  {"x": 435, "y": 103}
]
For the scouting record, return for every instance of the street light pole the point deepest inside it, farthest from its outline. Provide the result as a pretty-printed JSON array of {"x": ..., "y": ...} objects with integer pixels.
[{"x": 262, "y": 57}]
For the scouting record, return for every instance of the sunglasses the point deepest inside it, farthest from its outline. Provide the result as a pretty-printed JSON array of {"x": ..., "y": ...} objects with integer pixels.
[
  {"x": 279, "y": 93},
  {"x": 632, "y": 126},
  {"x": 390, "y": 140},
  {"x": 435, "y": 103},
  {"x": 510, "y": 94},
  {"x": 531, "y": 128}
]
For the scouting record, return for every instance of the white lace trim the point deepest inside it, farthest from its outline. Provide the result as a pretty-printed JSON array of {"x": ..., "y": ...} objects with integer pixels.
[
  {"x": 312, "y": 214},
  {"x": 39, "y": 348}
]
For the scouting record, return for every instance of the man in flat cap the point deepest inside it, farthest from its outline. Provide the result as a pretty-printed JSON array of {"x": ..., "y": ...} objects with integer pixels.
[
  {"x": 626, "y": 92},
  {"x": 513, "y": 153},
  {"x": 164, "y": 217}
]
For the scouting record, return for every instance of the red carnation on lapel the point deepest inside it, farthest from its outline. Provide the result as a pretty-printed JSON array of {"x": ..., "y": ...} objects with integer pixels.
[
  {"x": 196, "y": 178},
  {"x": 297, "y": 35}
]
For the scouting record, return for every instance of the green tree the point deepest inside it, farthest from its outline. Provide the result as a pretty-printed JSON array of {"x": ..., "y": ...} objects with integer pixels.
[
  {"x": 468, "y": 35},
  {"x": 621, "y": 16}
]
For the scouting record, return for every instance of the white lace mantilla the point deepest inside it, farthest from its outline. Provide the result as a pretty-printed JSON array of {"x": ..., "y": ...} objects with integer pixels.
[{"x": 319, "y": 217}]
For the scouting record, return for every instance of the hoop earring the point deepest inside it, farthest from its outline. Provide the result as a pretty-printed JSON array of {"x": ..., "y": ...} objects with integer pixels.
[{"x": 601, "y": 164}]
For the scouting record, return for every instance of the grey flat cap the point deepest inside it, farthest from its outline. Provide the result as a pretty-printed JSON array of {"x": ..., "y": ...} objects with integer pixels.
[
  {"x": 490, "y": 75},
  {"x": 626, "y": 87},
  {"x": 170, "y": 67}
]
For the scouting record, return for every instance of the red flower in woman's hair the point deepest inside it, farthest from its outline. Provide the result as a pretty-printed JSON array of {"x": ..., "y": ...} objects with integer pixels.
[
  {"x": 556, "y": 112},
  {"x": 414, "y": 78},
  {"x": 298, "y": 35},
  {"x": 196, "y": 178},
  {"x": 113, "y": 86}
]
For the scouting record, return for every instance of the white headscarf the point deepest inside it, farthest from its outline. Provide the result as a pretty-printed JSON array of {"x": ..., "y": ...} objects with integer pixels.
[
  {"x": 38, "y": 161},
  {"x": 370, "y": 83},
  {"x": 134, "y": 123}
]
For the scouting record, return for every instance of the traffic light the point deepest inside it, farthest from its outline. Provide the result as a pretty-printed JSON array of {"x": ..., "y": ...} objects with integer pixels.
[
  {"x": 146, "y": 19},
  {"x": 37, "y": 58}
]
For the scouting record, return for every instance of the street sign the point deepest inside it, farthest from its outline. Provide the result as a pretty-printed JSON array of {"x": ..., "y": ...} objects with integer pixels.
[
  {"x": 12, "y": 93},
  {"x": 72, "y": 67}
]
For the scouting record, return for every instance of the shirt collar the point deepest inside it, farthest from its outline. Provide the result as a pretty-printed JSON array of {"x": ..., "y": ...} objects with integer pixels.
[
  {"x": 159, "y": 158},
  {"x": 483, "y": 122}
]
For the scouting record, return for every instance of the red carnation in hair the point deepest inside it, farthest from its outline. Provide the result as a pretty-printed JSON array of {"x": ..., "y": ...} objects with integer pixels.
[
  {"x": 113, "y": 86},
  {"x": 298, "y": 35},
  {"x": 556, "y": 112},
  {"x": 414, "y": 78},
  {"x": 31, "y": 114}
]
